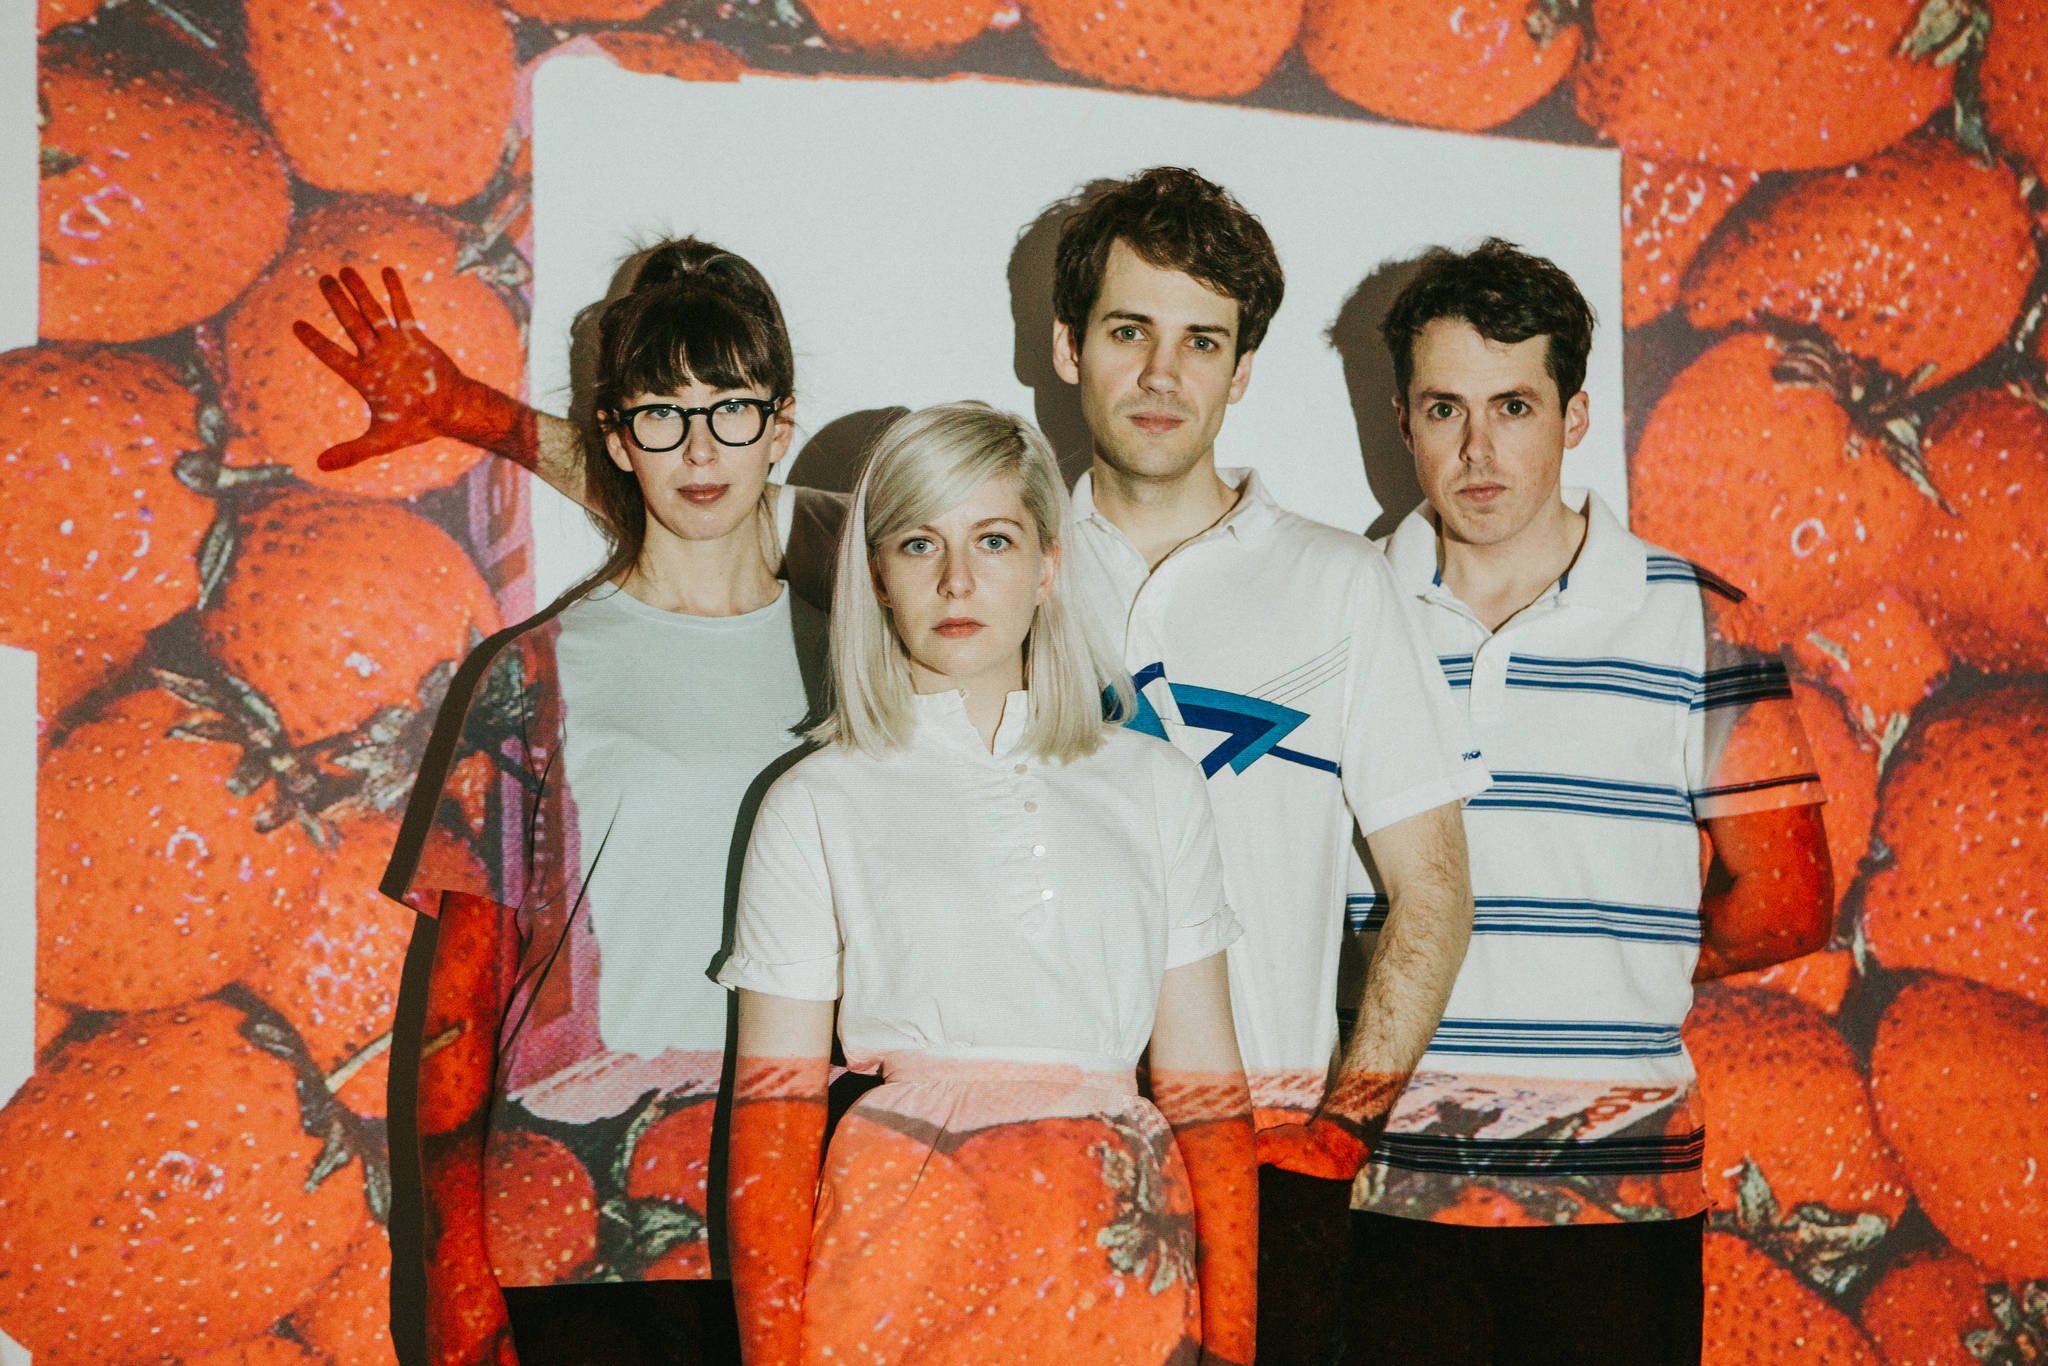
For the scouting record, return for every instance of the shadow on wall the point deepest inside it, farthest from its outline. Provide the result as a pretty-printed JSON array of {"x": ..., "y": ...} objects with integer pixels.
[
  {"x": 1056, "y": 404},
  {"x": 1369, "y": 379}
]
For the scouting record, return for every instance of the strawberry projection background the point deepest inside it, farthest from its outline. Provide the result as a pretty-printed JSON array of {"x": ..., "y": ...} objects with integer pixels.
[{"x": 1832, "y": 253}]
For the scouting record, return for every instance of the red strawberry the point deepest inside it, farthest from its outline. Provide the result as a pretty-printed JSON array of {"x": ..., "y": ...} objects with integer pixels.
[
  {"x": 347, "y": 1319},
  {"x": 588, "y": 11},
  {"x": 1820, "y": 979},
  {"x": 159, "y": 204},
  {"x": 69, "y": 673},
  {"x": 159, "y": 1194},
  {"x": 1917, "y": 257},
  {"x": 287, "y": 407},
  {"x": 265, "y": 1349},
  {"x": 924, "y": 30},
  {"x": 335, "y": 977},
  {"x": 1092, "y": 1259},
  {"x": 1985, "y": 581},
  {"x": 1751, "y": 466},
  {"x": 1813, "y": 1179},
  {"x": 100, "y": 532},
  {"x": 1960, "y": 814},
  {"x": 672, "y": 1161},
  {"x": 1668, "y": 208},
  {"x": 1177, "y": 47},
  {"x": 1766, "y": 85},
  {"x": 51, "y": 13},
  {"x": 1482, "y": 1206},
  {"x": 657, "y": 54},
  {"x": 2013, "y": 77},
  {"x": 1759, "y": 1314},
  {"x": 52, "y": 1019},
  {"x": 1846, "y": 760},
  {"x": 1435, "y": 62},
  {"x": 397, "y": 97},
  {"x": 906, "y": 1228},
  {"x": 1928, "y": 1305},
  {"x": 153, "y": 883},
  {"x": 1958, "y": 1072},
  {"x": 337, "y": 606},
  {"x": 1881, "y": 657},
  {"x": 540, "y": 1206}
]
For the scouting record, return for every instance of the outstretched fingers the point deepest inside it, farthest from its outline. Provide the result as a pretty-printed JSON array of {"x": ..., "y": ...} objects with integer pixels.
[
  {"x": 348, "y": 313},
  {"x": 401, "y": 307},
  {"x": 365, "y": 298},
  {"x": 326, "y": 351}
]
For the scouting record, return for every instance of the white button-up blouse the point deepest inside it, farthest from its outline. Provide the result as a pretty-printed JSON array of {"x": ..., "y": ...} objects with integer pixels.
[{"x": 964, "y": 903}]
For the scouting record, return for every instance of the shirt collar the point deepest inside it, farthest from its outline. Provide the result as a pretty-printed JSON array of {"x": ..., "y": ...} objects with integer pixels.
[
  {"x": 1608, "y": 573},
  {"x": 942, "y": 724},
  {"x": 1253, "y": 512}
]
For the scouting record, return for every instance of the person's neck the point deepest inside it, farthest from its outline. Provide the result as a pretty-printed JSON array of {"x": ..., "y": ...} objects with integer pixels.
[
  {"x": 1496, "y": 581},
  {"x": 984, "y": 695},
  {"x": 1159, "y": 515},
  {"x": 728, "y": 577}
]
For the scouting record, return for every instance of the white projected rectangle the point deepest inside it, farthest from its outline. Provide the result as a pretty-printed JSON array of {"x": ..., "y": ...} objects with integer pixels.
[{"x": 888, "y": 216}]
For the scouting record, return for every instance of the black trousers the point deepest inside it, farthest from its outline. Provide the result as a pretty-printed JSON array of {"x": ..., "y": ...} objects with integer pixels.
[
  {"x": 1627, "y": 1294},
  {"x": 639, "y": 1323}
]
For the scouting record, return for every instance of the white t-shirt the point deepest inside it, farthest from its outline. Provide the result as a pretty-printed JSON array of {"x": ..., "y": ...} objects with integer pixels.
[
  {"x": 966, "y": 904},
  {"x": 1619, "y": 710},
  {"x": 1275, "y": 652}
]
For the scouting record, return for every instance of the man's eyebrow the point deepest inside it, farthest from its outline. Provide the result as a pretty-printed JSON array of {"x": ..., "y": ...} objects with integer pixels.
[{"x": 1128, "y": 316}]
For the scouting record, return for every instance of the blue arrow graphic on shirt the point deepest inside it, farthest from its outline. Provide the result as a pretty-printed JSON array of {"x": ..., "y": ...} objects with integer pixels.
[{"x": 1252, "y": 727}]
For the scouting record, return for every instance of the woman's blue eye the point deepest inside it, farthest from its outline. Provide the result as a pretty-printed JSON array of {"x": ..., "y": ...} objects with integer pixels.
[
  {"x": 917, "y": 545},
  {"x": 995, "y": 540}
]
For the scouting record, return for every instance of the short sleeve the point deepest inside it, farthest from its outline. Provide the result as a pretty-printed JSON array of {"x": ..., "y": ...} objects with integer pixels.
[
  {"x": 1746, "y": 750},
  {"x": 786, "y": 934},
  {"x": 1200, "y": 919},
  {"x": 1407, "y": 746},
  {"x": 483, "y": 736}
]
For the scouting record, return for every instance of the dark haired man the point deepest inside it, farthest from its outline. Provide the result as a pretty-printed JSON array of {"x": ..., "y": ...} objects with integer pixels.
[
  {"x": 1605, "y": 679},
  {"x": 1273, "y": 649}
]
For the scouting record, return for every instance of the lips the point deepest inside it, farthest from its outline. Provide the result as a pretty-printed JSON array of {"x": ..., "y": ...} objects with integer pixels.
[
  {"x": 703, "y": 495},
  {"x": 1157, "y": 422},
  {"x": 1482, "y": 493},
  {"x": 957, "y": 628}
]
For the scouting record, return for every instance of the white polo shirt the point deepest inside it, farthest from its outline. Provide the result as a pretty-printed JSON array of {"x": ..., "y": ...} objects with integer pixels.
[
  {"x": 1275, "y": 651},
  {"x": 1605, "y": 709},
  {"x": 967, "y": 904}
]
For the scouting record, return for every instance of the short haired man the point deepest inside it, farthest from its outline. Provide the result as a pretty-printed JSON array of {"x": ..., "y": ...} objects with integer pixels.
[
  {"x": 1606, "y": 680},
  {"x": 1272, "y": 649}
]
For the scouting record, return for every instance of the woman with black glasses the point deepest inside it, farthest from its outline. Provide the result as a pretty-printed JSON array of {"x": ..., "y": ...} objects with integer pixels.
[{"x": 636, "y": 722}]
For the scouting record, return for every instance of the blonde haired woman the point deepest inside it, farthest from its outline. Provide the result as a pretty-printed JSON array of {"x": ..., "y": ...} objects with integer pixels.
[{"x": 1008, "y": 899}]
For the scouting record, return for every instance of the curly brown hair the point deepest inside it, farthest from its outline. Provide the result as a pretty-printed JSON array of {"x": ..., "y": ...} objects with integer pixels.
[{"x": 1175, "y": 220}]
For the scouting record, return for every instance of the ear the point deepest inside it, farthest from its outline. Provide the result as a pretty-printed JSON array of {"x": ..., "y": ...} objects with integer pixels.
[
  {"x": 615, "y": 446},
  {"x": 781, "y": 431},
  {"x": 1401, "y": 421},
  {"x": 1578, "y": 416},
  {"x": 1066, "y": 353},
  {"x": 1048, "y": 572},
  {"x": 875, "y": 578},
  {"x": 1241, "y": 377}
]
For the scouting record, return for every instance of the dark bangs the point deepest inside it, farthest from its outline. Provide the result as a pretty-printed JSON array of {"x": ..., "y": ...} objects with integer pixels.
[{"x": 660, "y": 340}]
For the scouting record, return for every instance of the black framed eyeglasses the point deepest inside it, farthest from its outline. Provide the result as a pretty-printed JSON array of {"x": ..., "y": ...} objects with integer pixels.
[{"x": 658, "y": 427}]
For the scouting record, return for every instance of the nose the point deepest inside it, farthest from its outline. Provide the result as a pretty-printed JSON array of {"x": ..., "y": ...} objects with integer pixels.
[
  {"x": 1476, "y": 448},
  {"x": 956, "y": 576},
  {"x": 700, "y": 447},
  {"x": 1161, "y": 374}
]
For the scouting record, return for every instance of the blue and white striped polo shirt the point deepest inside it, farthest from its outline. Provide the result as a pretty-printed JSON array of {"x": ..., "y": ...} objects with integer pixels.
[{"x": 1604, "y": 709}]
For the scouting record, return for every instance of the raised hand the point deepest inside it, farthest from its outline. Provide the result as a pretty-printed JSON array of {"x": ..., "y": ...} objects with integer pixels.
[{"x": 415, "y": 389}]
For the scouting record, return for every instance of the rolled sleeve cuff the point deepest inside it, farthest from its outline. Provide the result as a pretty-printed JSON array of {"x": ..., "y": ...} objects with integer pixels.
[
  {"x": 813, "y": 979},
  {"x": 1459, "y": 784},
  {"x": 1187, "y": 944},
  {"x": 1746, "y": 799}
]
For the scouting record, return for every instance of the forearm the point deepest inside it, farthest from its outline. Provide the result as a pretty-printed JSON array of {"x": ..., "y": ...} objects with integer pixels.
[
  {"x": 466, "y": 1322},
  {"x": 1210, "y": 1113},
  {"x": 1420, "y": 949},
  {"x": 557, "y": 455},
  {"x": 1770, "y": 894},
  {"x": 777, "y": 1139}
]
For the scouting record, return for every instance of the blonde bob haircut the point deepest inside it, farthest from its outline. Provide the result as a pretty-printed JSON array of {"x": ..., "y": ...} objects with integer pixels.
[{"x": 923, "y": 465}]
